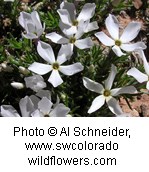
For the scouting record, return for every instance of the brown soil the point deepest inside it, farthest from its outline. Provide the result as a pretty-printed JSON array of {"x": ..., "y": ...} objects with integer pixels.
[{"x": 139, "y": 107}]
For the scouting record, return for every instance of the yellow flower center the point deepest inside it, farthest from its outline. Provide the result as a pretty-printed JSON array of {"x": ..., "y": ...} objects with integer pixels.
[
  {"x": 72, "y": 40},
  {"x": 107, "y": 93},
  {"x": 35, "y": 33},
  {"x": 46, "y": 115},
  {"x": 118, "y": 43},
  {"x": 55, "y": 66},
  {"x": 75, "y": 23}
]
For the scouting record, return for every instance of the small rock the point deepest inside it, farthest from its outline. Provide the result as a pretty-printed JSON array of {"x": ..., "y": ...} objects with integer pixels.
[
  {"x": 144, "y": 110},
  {"x": 137, "y": 3}
]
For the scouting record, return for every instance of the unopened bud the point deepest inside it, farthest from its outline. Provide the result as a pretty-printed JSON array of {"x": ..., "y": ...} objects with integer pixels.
[
  {"x": 91, "y": 68},
  {"x": 4, "y": 65},
  {"x": 23, "y": 70},
  {"x": 17, "y": 85},
  {"x": 6, "y": 68},
  {"x": 63, "y": 96}
]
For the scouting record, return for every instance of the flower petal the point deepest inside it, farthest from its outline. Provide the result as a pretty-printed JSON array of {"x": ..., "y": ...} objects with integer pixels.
[
  {"x": 92, "y": 85},
  {"x": 71, "y": 69},
  {"x": 117, "y": 51},
  {"x": 84, "y": 43},
  {"x": 64, "y": 16},
  {"x": 146, "y": 64},
  {"x": 114, "y": 106},
  {"x": 55, "y": 78},
  {"x": 70, "y": 31},
  {"x": 133, "y": 47},
  {"x": 111, "y": 77},
  {"x": 26, "y": 106},
  {"x": 130, "y": 32},
  {"x": 139, "y": 76},
  {"x": 56, "y": 38},
  {"x": 8, "y": 111},
  {"x": 30, "y": 27},
  {"x": 37, "y": 113},
  {"x": 46, "y": 52},
  {"x": 97, "y": 103},
  {"x": 39, "y": 32},
  {"x": 147, "y": 85},
  {"x": 105, "y": 39},
  {"x": 81, "y": 29},
  {"x": 44, "y": 93},
  {"x": 30, "y": 36},
  {"x": 87, "y": 12},
  {"x": 40, "y": 68},
  {"x": 91, "y": 26},
  {"x": 36, "y": 19},
  {"x": 70, "y": 7},
  {"x": 34, "y": 100},
  {"x": 124, "y": 90},
  {"x": 45, "y": 105},
  {"x": 64, "y": 53},
  {"x": 24, "y": 16},
  {"x": 59, "y": 111},
  {"x": 112, "y": 26}
]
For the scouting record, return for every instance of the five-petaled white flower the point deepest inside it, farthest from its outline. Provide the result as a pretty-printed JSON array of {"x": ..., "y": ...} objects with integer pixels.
[
  {"x": 33, "y": 106},
  {"x": 32, "y": 25},
  {"x": 46, "y": 52},
  {"x": 72, "y": 39},
  {"x": 107, "y": 94},
  {"x": 139, "y": 76},
  {"x": 45, "y": 109},
  {"x": 120, "y": 42},
  {"x": 70, "y": 22}
]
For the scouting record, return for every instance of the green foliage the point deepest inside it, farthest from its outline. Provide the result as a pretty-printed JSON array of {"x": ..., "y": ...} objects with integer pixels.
[{"x": 17, "y": 51}]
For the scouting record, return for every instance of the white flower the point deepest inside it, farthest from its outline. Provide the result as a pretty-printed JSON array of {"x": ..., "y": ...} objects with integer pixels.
[
  {"x": 32, "y": 25},
  {"x": 120, "y": 42},
  {"x": 35, "y": 82},
  {"x": 45, "y": 109},
  {"x": 17, "y": 85},
  {"x": 107, "y": 94},
  {"x": 72, "y": 39},
  {"x": 139, "y": 76},
  {"x": 70, "y": 22},
  {"x": 33, "y": 106},
  {"x": 46, "y": 52},
  {"x": 26, "y": 106}
]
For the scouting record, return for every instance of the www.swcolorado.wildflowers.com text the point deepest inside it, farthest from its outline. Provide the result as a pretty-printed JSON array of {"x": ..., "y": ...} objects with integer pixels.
[{"x": 72, "y": 145}]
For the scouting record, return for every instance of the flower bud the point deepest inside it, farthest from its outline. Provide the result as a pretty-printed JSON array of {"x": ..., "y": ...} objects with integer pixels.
[
  {"x": 17, "y": 85},
  {"x": 91, "y": 68},
  {"x": 6, "y": 68},
  {"x": 23, "y": 70}
]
